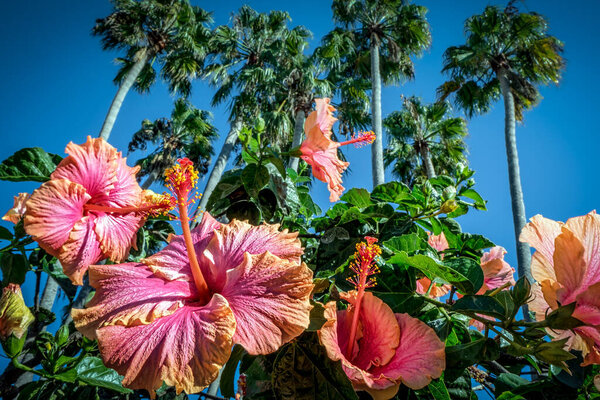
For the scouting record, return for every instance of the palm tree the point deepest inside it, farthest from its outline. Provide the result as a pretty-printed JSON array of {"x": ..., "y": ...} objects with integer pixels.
[
  {"x": 378, "y": 38},
  {"x": 424, "y": 139},
  {"x": 246, "y": 61},
  {"x": 188, "y": 133},
  {"x": 507, "y": 53},
  {"x": 170, "y": 33}
]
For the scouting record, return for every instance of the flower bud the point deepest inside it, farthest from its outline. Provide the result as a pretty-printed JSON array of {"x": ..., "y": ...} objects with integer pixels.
[
  {"x": 449, "y": 206},
  {"x": 15, "y": 317}
]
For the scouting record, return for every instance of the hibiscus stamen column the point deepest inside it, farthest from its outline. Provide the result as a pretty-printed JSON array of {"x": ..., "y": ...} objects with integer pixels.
[
  {"x": 364, "y": 266},
  {"x": 362, "y": 139},
  {"x": 181, "y": 179}
]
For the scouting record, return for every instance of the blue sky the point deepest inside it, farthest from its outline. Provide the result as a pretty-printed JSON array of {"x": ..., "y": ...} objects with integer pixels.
[{"x": 57, "y": 86}]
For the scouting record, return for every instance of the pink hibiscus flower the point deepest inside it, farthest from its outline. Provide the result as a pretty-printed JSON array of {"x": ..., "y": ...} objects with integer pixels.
[
  {"x": 320, "y": 151},
  {"x": 566, "y": 266},
  {"x": 496, "y": 271},
  {"x": 174, "y": 316},
  {"x": 91, "y": 208},
  {"x": 440, "y": 243},
  {"x": 379, "y": 350},
  {"x": 15, "y": 214}
]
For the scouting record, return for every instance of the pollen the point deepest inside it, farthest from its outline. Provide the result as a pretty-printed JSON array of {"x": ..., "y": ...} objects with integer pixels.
[
  {"x": 181, "y": 180},
  {"x": 364, "y": 264},
  {"x": 363, "y": 138}
]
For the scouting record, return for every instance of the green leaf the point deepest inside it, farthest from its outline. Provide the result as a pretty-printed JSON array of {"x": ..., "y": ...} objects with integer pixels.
[
  {"x": 479, "y": 304},
  {"x": 562, "y": 318},
  {"x": 468, "y": 268},
  {"x": 14, "y": 267},
  {"x": 244, "y": 210},
  {"x": 474, "y": 243},
  {"x": 317, "y": 317},
  {"x": 92, "y": 371},
  {"x": 228, "y": 374},
  {"x": 459, "y": 272},
  {"x": 521, "y": 291},
  {"x": 357, "y": 197},
  {"x": 438, "y": 390},
  {"x": 473, "y": 195},
  {"x": 379, "y": 210},
  {"x": 503, "y": 297},
  {"x": 392, "y": 192},
  {"x": 5, "y": 234},
  {"x": 303, "y": 371},
  {"x": 352, "y": 214},
  {"x": 408, "y": 243},
  {"x": 255, "y": 177},
  {"x": 278, "y": 163},
  {"x": 29, "y": 164},
  {"x": 465, "y": 354},
  {"x": 508, "y": 381},
  {"x": 554, "y": 353}
]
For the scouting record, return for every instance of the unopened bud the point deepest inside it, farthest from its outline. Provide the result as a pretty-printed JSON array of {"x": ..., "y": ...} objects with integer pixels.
[
  {"x": 449, "y": 206},
  {"x": 15, "y": 317}
]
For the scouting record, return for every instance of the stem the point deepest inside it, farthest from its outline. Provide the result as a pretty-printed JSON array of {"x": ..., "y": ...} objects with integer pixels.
[
  {"x": 189, "y": 245},
  {"x": 119, "y": 210},
  {"x": 499, "y": 289},
  {"x": 36, "y": 297}
]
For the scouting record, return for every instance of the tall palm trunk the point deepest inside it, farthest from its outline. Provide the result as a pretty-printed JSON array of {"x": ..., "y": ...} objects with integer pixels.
[
  {"x": 297, "y": 139},
  {"x": 150, "y": 180},
  {"x": 426, "y": 159},
  {"x": 514, "y": 177},
  {"x": 220, "y": 164},
  {"x": 377, "y": 147},
  {"x": 127, "y": 83}
]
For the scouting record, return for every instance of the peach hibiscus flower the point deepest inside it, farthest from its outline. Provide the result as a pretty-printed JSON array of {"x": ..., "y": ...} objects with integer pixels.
[
  {"x": 379, "y": 350},
  {"x": 440, "y": 243},
  {"x": 15, "y": 214},
  {"x": 89, "y": 210},
  {"x": 175, "y": 316},
  {"x": 496, "y": 271},
  {"x": 320, "y": 151},
  {"x": 566, "y": 266}
]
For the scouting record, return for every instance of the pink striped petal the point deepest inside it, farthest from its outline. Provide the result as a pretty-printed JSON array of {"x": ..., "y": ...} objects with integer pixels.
[
  {"x": 117, "y": 233},
  {"x": 380, "y": 332},
  {"x": 172, "y": 262},
  {"x": 587, "y": 229},
  {"x": 438, "y": 242},
  {"x": 52, "y": 211},
  {"x": 419, "y": 358},
  {"x": 496, "y": 271},
  {"x": 540, "y": 233},
  {"x": 318, "y": 125},
  {"x": 569, "y": 265},
  {"x": 226, "y": 248},
  {"x": 81, "y": 250},
  {"x": 185, "y": 349},
  {"x": 125, "y": 191},
  {"x": 269, "y": 297},
  {"x": 92, "y": 164},
  {"x": 129, "y": 294}
]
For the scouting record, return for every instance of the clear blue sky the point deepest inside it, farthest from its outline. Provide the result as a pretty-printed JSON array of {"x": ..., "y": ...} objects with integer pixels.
[{"x": 57, "y": 86}]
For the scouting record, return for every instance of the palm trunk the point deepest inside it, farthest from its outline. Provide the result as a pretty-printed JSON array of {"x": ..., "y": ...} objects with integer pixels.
[
  {"x": 127, "y": 83},
  {"x": 426, "y": 158},
  {"x": 220, "y": 164},
  {"x": 514, "y": 177},
  {"x": 150, "y": 180},
  {"x": 297, "y": 140},
  {"x": 377, "y": 147}
]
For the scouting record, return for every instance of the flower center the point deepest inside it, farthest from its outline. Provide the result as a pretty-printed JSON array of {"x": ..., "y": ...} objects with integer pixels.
[
  {"x": 364, "y": 266},
  {"x": 181, "y": 180}
]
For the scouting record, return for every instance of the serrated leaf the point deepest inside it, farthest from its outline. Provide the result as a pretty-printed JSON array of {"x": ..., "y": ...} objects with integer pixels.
[
  {"x": 357, "y": 197},
  {"x": 29, "y": 164},
  {"x": 409, "y": 243},
  {"x": 438, "y": 390}
]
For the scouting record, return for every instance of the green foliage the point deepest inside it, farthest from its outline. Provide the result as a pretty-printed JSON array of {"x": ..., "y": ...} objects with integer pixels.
[{"x": 29, "y": 164}]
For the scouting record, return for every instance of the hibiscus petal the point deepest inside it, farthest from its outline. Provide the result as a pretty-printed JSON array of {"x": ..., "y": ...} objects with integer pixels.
[
  {"x": 380, "y": 332},
  {"x": 92, "y": 164},
  {"x": 538, "y": 304},
  {"x": 172, "y": 262},
  {"x": 540, "y": 233},
  {"x": 125, "y": 191},
  {"x": 419, "y": 358},
  {"x": 52, "y": 211},
  {"x": 587, "y": 230},
  {"x": 81, "y": 250},
  {"x": 15, "y": 214},
  {"x": 129, "y": 294},
  {"x": 569, "y": 265},
  {"x": 226, "y": 248},
  {"x": 269, "y": 297},
  {"x": 438, "y": 242},
  {"x": 328, "y": 168},
  {"x": 318, "y": 125},
  {"x": 184, "y": 349},
  {"x": 117, "y": 233}
]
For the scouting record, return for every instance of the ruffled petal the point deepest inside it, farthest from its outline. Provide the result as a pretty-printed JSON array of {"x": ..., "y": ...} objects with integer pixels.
[
  {"x": 328, "y": 168},
  {"x": 15, "y": 214},
  {"x": 318, "y": 125},
  {"x": 226, "y": 248},
  {"x": 92, "y": 164},
  {"x": 81, "y": 250},
  {"x": 125, "y": 191},
  {"x": 117, "y": 233},
  {"x": 184, "y": 349},
  {"x": 437, "y": 290},
  {"x": 587, "y": 230},
  {"x": 129, "y": 294},
  {"x": 419, "y": 358},
  {"x": 496, "y": 271},
  {"x": 172, "y": 262},
  {"x": 380, "y": 332},
  {"x": 538, "y": 304},
  {"x": 438, "y": 242},
  {"x": 270, "y": 300},
  {"x": 540, "y": 233},
  {"x": 52, "y": 211}
]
